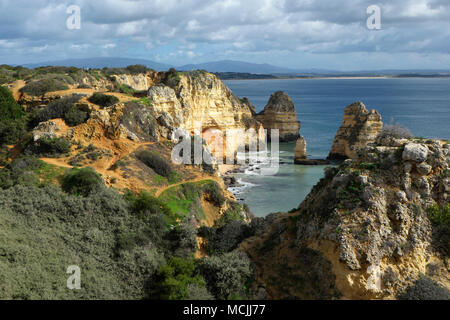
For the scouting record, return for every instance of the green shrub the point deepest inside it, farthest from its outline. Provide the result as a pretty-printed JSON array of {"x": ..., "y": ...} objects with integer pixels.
[
  {"x": 75, "y": 117},
  {"x": 103, "y": 100},
  {"x": 12, "y": 119},
  {"x": 82, "y": 181},
  {"x": 137, "y": 68},
  {"x": 124, "y": 88},
  {"x": 226, "y": 275},
  {"x": 41, "y": 87},
  {"x": 49, "y": 147},
  {"x": 20, "y": 171},
  {"x": 214, "y": 192},
  {"x": 174, "y": 280},
  {"x": 440, "y": 215},
  {"x": 63, "y": 108},
  {"x": 153, "y": 160},
  {"x": 44, "y": 230},
  {"x": 425, "y": 289}
]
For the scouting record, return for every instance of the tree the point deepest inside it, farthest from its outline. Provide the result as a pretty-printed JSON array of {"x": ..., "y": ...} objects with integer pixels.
[{"x": 12, "y": 121}]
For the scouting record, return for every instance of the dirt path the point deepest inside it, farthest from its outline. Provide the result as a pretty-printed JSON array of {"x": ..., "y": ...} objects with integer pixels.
[
  {"x": 199, "y": 179},
  {"x": 17, "y": 85}
]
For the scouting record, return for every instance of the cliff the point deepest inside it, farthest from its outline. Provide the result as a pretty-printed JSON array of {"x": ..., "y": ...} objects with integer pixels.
[
  {"x": 199, "y": 102},
  {"x": 359, "y": 127},
  {"x": 376, "y": 227},
  {"x": 280, "y": 113}
]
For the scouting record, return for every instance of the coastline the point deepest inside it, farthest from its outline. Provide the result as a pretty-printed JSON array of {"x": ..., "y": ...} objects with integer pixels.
[{"x": 342, "y": 78}]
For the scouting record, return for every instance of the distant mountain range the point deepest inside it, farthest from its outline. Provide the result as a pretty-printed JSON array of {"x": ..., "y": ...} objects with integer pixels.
[{"x": 228, "y": 66}]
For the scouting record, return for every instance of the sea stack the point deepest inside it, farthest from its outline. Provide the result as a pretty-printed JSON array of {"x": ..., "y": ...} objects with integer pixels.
[
  {"x": 280, "y": 114},
  {"x": 359, "y": 127},
  {"x": 300, "y": 149}
]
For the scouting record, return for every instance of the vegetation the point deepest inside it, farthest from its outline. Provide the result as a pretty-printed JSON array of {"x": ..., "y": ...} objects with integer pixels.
[
  {"x": 183, "y": 200},
  {"x": 440, "y": 217},
  {"x": 69, "y": 230},
  {"x": 47, "y": 84},
  {"x": 49, "y": 147},
  {"x": 124, "y": 88},
  {"x": 154, "y": 161},
  {"x": 174, "y": 280},
  {"x": 103, "y": 100},
  {"x": 63, "y": 108},
  {"x": 214, "y": 192},
  {"x": 12, "y": 120},
  {"x": 226, "y": 275},
  {"x": 425, "y": 289},
  {"x": 82, "y": 181},
  {"x": 395, "y": 131}
]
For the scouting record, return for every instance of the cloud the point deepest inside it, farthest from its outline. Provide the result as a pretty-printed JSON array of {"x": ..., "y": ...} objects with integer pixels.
[{"x": 184, "y": 31}]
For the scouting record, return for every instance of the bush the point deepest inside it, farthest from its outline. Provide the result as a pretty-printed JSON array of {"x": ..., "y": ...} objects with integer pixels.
[
  {"x": 214, "y": 193},
  {"x": 12, "y": 120},
  {"x": 63, "y": 108},
  {"x": 72, "y": 230},
  {"x": 227, "y": 274},
  {"x": 82, "y": 181},
  {"x": 20, "y": 171},
  {"x": 395, "y": 131},
  {"x": 74, "y": 117},
  {"x": 154, "y": 161},
  {"x": 425, "y": 289},
  {"x": 174, "y": 281},
  {"x": 49, "y": 147},
  {"x": 41, "y": 87},
  {"x": 136, "y": 69},
  {"x": 440, "y": 217},
  {"x": 103, "y": 100}
]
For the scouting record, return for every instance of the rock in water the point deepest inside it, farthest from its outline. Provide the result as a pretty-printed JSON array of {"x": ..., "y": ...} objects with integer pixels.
[
  {"x": 359, "y": 127},
  {"x": 280, "y": 114},
  {"x": 300, "y": 149}
]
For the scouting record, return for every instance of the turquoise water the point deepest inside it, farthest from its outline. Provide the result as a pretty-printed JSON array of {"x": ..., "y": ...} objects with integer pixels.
[{"x": 422, "y": 105}]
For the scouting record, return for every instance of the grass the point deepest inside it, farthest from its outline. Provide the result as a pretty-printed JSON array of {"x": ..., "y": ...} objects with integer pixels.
[
  {"x": 181, "y": 199},
  {"x": 50, "y": 174},
  {"x": 145, "y": 101}
]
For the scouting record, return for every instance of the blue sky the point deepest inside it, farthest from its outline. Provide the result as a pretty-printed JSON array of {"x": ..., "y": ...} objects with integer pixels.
[{"x": 327, "y": 34}]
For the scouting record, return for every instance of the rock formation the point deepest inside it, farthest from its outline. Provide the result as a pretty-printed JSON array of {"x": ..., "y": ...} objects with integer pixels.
[
  {"x": 280, "y": 114},
  {"x": 300, "y": 149},
  {"x": 301, "y": 156},
  {"x": 200, "y": 103},
  {"x": 359, "y": 127},
  {"x": 373, "y": 228}
]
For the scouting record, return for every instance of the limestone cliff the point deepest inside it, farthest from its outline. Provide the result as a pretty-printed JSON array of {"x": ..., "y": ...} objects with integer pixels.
[
  {"x": 359, "y": 127},
  {"x": 200, "y": 103},
  {"x": 280, "y": 113},
  {"x": 375, "y": 227}
]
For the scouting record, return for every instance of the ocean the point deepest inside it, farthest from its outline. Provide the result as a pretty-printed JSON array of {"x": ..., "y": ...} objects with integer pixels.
[{"x": 422, "y": 105}]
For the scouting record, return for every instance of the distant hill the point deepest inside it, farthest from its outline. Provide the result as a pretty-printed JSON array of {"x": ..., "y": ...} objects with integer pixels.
[
  {"x": 100, "y": 63},
  {"x": 230, "y": 69},
  {"x": 237, "y": 66}
]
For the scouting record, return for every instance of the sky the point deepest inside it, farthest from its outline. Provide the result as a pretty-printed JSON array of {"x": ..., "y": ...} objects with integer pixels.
[{"x": 300, "y": 34}]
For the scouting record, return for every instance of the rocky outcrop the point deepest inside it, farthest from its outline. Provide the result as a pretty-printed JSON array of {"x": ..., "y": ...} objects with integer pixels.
[
  {"x": 371, "y": 228},
  {"x": 359, "y": 127},
  {"x": 200, "y": 103},
  {"x": 280, "y": 114},
  {"x": 301, "y": 156},
  {"x": 300, "y": 149}
]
